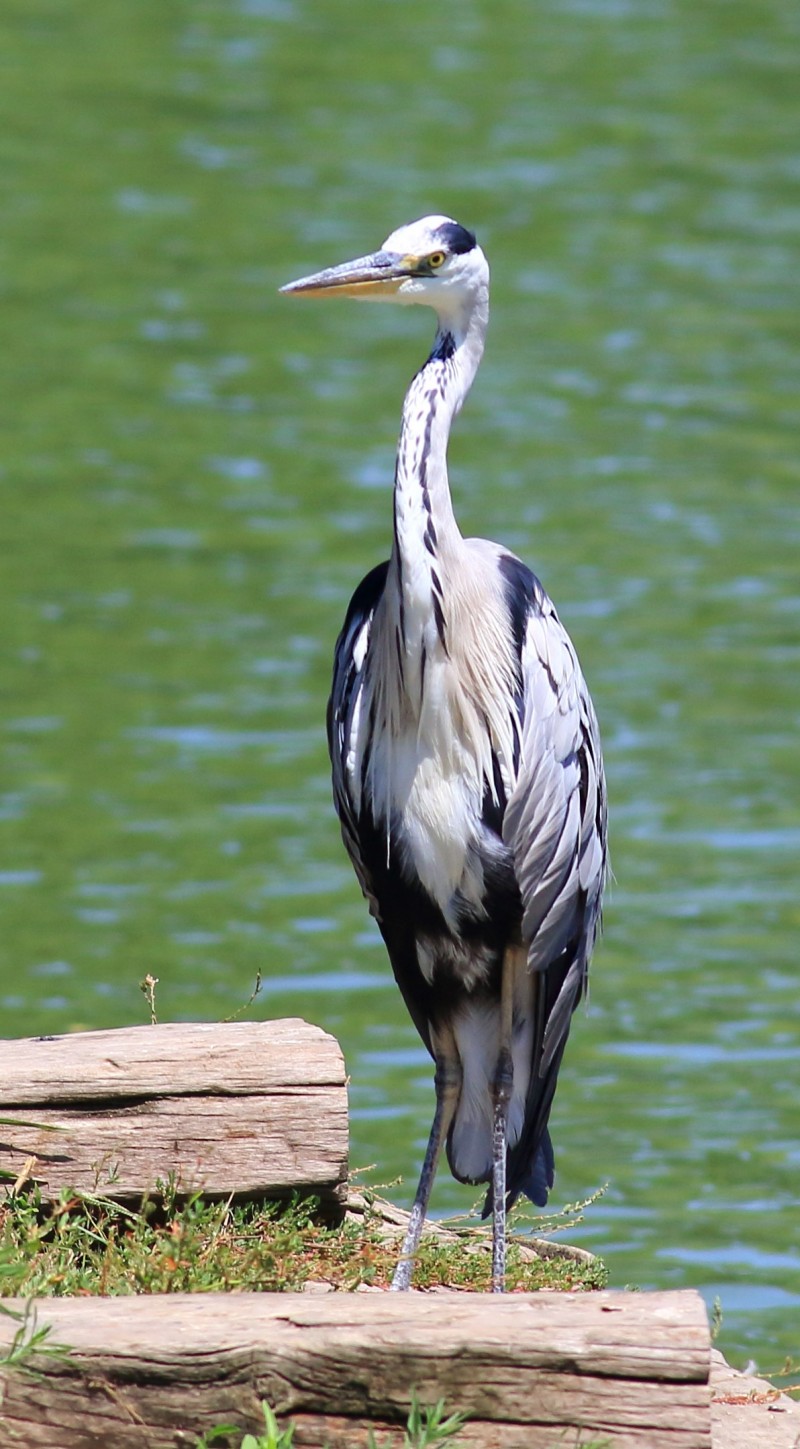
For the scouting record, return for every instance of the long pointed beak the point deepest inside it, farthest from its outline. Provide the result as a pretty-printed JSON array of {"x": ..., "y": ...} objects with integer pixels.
[{"x": 378, "y": 275}]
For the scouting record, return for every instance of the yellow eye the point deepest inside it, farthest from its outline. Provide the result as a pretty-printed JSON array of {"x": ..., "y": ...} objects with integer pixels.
[{"x": 436, "y": 259}]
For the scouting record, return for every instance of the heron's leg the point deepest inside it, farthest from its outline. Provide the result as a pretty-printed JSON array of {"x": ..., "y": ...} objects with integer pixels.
[
  {"x": 447, "y": 1082},
  {"x": 501, "y": 1094},
  {"x": 502, "y": 1087}
]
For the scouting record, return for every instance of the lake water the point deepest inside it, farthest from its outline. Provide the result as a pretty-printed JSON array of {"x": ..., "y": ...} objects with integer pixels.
[{"x": 196, "y": 473}]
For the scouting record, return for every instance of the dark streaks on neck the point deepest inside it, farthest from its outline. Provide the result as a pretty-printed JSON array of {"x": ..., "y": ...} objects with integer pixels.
[{"x": 443, "y": 348}]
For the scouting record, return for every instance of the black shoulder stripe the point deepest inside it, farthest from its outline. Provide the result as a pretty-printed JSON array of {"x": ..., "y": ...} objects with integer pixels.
[
  {"x": 521, "y": 590},
  {"x": 366, "y": 595},
  {"x": 360, "y": 610}
]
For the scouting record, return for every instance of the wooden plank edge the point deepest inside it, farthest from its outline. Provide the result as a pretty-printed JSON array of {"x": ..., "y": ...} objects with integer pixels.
[
  {"x": 168, "y": 1059},
  {"x": 142, "y": 1372}
]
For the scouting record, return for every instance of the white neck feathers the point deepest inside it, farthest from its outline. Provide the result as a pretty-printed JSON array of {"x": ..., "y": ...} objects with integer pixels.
[{"x": 426, "y": 535}]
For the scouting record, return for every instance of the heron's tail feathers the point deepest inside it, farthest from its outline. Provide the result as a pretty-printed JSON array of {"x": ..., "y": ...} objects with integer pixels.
[{"x": 538, "y": 1180}]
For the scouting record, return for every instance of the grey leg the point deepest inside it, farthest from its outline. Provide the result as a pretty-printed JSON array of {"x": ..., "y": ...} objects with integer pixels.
[
  {"x": 501, "y": 1094},
  {"x": 447, "y": 1082},
  {"x": 502, "y": 1087}
]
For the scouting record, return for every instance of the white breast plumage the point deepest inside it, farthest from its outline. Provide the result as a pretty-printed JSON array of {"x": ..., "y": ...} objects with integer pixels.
[{"x": 426, "y": 785}]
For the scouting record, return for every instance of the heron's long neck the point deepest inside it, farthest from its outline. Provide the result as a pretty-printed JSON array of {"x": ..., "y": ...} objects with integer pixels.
[{"x": 427, "y": 541}]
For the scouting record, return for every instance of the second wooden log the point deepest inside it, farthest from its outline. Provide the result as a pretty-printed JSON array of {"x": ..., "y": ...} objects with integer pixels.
[
  {"x": 530, "y": 1371},
  {"x": 252, "y": 1109}
]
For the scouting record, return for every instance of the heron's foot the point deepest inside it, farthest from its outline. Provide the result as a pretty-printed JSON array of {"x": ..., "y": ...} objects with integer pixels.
[
  {"x": 499, "y": 1246},
  {"x": 401, "y": 1279},
  {"x": 499, "y": 1273}
]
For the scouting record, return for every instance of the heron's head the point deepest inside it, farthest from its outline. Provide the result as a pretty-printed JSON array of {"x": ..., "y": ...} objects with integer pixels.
[{"x": 434, "y": 261}]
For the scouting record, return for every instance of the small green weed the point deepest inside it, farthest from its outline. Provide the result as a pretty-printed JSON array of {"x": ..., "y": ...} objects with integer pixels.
[
  {"x": 12, "y": 1177},
  {"x": 790, "y": 1369},
  {"x": 425, "y": 1429},
  {"x": 28, "y": 1340},
  {"x": 563, "y": 1220},
  {"x": 272, "y": 1438},
  {"x": 427, "y": 1426}
]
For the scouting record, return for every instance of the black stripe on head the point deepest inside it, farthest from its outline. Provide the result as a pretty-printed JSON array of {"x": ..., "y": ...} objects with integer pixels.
[{"x": 455, "y": 238}]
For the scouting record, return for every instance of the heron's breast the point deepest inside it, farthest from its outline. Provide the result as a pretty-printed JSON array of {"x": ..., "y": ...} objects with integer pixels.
[
  {"x": 428, "y": 790},
  {"x": 436, "y": 815}
]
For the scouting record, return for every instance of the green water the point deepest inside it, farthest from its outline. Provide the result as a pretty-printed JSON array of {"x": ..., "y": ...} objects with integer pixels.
[{"x": 195, "y": 474}]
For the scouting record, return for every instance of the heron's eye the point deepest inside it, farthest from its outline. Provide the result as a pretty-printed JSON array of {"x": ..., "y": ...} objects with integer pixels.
[{"x": 436, "y": 259}]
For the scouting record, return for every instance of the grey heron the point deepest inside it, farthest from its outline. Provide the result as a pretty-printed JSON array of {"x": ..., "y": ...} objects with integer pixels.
[{"x": 467, "y": 771}]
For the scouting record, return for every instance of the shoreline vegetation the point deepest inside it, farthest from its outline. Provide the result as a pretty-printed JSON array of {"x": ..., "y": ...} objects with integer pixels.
[{"x": 84, "y": 1243}]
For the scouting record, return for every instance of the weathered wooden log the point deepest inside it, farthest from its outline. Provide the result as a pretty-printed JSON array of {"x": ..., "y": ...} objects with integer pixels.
[
  {"x": 530, "y": 1371},
  {"x": 253, "y": 1109}
]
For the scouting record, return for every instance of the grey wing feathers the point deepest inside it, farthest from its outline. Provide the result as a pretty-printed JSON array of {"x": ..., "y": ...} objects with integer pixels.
[
  {"x": 555, "y": 821},
  {"x": 345, "y": 700}
]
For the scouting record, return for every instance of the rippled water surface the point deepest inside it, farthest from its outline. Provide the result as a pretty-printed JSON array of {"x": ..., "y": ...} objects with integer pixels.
[{"x": 195, "y": 474}]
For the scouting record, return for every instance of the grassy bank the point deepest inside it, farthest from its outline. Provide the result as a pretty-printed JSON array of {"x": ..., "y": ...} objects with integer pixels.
[{"x": 84, "y": 1244}]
